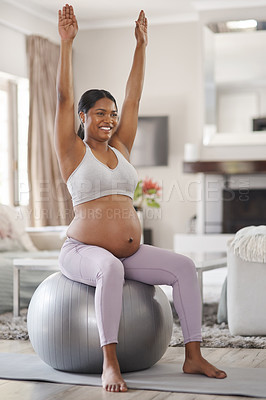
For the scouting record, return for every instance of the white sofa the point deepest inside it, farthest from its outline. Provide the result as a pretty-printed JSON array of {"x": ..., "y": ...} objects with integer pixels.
[
  {"x": 246, "y": 284},
  {"x": 20, "y": 242}
]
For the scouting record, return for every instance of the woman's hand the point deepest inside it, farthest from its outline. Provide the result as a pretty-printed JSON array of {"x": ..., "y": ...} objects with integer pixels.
[
  {"x": 141, "y": 30},
  {"x": 67, "y": 23}
]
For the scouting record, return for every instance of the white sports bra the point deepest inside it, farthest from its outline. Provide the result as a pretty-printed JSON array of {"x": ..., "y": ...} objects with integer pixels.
[{"x": 92, "y": 179}]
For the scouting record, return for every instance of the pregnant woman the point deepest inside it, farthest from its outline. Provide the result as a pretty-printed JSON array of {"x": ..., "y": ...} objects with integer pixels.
[{"x": 103, "y": 244}]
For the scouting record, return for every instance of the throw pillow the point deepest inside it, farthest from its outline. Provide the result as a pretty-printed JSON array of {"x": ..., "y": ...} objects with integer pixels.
[{"x": 12, "y": 228}]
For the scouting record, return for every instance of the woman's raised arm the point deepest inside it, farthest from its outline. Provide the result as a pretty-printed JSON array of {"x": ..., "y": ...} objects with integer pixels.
[
  {"x": 64, "y": 121},
  {"x": 127, "y": 127}
]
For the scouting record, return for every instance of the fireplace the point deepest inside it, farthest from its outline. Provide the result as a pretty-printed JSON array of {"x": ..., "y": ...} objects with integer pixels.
[
  {"x": 232, "y": 194},
  {"x": 243, "y": 208},
  {"x": 233, "y": 202}
]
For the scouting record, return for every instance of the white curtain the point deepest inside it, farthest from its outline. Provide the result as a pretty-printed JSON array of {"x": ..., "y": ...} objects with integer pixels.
[{"x": 50, "y": 202}]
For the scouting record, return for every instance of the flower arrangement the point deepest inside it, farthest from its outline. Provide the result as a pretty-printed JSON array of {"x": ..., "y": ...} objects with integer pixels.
[{"x": 147, "y": 192}]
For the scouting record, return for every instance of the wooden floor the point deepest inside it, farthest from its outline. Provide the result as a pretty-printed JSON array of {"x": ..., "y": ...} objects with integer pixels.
[{"x": 16, "y": 390}]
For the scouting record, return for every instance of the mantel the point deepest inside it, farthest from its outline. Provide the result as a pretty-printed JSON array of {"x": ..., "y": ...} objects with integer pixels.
[{"x": 225, "y": 167}]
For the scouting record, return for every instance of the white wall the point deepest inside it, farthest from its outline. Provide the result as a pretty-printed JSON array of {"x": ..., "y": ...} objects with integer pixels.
[
  {"x": 102, "y": 59},
  {"x": 249, "y": 58},
  {"x": 240, "y": 57},
  {"x": 15, "y": 24},
  {"x": 240, "y": 78},
  {"x": 240, "y": 152},
  {"x": 13, "y": 52}
]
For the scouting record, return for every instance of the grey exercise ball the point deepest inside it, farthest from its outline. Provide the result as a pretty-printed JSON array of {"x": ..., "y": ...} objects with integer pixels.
[{"x": 63, "y": 330}]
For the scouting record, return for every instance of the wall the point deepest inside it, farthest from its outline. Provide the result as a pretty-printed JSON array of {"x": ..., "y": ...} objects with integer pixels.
[
  {"x": 172, "y": 87},
  {"x": 240, "y": 80},
  {"x": 239, "y": 57},
  {"x": 15, "y": 24},
  {"x": 13, "y": 52},
  {"x": 239, "y": 152}
]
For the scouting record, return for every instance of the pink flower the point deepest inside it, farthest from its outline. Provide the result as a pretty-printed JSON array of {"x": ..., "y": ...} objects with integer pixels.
[
  {"x": 150, "y": 187},
  {"x": 147, "y": 192}
]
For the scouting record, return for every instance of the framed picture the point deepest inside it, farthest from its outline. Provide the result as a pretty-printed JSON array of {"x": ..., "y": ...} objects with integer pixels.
[{"x": 151, "y": 143}]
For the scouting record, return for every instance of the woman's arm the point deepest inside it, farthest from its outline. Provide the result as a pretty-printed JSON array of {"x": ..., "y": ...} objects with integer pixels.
[
  {"x": 64, "y": 121},
  {"x": 127, "y": 127}
]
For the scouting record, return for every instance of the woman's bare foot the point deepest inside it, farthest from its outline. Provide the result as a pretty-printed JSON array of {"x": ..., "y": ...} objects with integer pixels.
[
  {"x": 202, "y": 366},
  {"x": 196, "y": 364},
  {"x": 112, "y": 380}
]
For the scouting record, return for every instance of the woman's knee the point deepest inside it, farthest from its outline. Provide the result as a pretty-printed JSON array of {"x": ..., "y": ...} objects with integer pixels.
[
  {"x": 182, "y": 266},
  {"x": 111, "y": 270},
  {"x": 189, "y": 263},
  {"x": 189, "y": 267}
]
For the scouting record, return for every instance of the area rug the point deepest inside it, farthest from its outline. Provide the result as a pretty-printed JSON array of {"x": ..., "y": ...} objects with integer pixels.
[
  {"x": 161, "y": 377},
  {"x": 214, "y": 335}
]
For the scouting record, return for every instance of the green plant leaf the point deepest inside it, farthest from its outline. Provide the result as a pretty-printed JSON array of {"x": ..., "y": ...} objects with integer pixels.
[
  {"x": 138, "y": 190},
  {"x": 152, "y": 191},
  {"x": 152, "y": 203}
]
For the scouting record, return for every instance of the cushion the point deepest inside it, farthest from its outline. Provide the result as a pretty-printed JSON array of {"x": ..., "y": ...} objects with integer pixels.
[
  {"x": 8, "y": 244},
  {"x": 249, "y": 244},
  {"x": 12, "y": 230}
]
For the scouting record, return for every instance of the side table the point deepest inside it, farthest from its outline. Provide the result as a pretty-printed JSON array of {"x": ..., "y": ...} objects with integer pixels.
[
  {"x": 208, "y": 265},
  {"x": 33, "y": 264}
]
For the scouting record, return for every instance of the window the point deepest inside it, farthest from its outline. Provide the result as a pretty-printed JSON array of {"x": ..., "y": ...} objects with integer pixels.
[
  {"x": 23, "y": 124},
  {"x": 4, "y": 145},
  {"x": 14, "y": 117}
]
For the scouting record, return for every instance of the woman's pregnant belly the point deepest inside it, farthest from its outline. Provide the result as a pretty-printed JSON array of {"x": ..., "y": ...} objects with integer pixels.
[{"x": 110, "y": 222}]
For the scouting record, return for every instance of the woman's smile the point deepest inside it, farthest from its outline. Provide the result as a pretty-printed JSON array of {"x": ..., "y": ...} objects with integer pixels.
[{"x": 106, "y": 128}]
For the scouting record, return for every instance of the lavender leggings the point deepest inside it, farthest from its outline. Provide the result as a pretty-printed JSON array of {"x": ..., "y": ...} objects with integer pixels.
[{"x": 96, "y": 266}]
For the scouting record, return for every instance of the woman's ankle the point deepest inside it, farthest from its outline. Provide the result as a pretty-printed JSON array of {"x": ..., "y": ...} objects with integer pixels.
[
  {"x": 110, "y": 357},
  {"x": 193, "y": 350}
]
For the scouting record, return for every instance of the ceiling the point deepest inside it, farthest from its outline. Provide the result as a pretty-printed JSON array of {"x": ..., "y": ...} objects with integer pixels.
[{"x": 104, "y": 13}]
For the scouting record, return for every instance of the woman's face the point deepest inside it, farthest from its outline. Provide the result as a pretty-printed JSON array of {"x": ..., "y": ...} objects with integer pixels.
[{"x": 101, "y": 120}]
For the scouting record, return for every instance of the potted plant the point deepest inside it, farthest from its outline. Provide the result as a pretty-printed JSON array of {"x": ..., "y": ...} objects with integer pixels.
[{"x": 147, "y": 193}]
